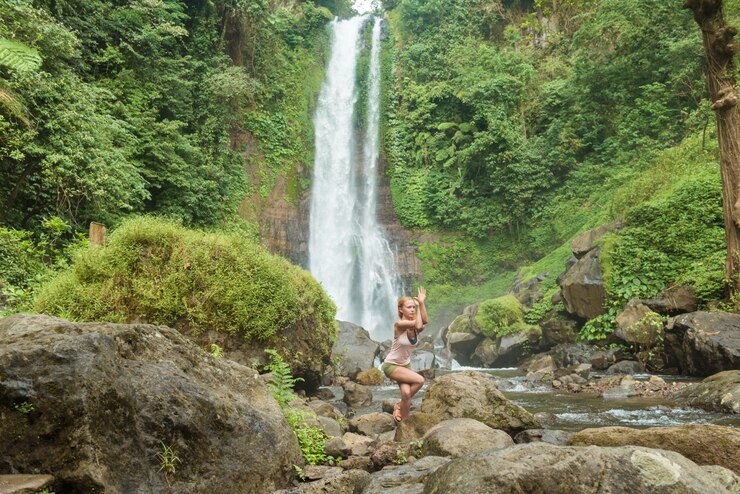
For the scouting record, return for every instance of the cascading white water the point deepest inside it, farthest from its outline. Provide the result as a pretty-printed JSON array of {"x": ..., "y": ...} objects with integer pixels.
[{"x": 348, "y": 252}]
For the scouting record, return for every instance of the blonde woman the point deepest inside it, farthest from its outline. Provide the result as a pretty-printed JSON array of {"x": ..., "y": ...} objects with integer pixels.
[{"x": 412, "y": 315}]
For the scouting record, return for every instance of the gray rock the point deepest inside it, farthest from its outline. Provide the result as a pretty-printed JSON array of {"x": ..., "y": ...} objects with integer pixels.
[
  {"x": 336, "y": 447},
  {"x": 414, "y": 427},
  {"x": 474, "y": 395},
  {"x": 632, "y": 327},
  {"x": 556, "y": 331},
  {"x": 354, "y": 349},
  {"x": 485, "y": 353},
  {"x": 330, "y": 427},
  {"x": 674, "y": 300},
  {"x": 585, "y": 242},
  {"x": 602, "y": 360},
  {"x": 23, "y": 483},
  {"x": 316, "y": 472},
  {"x": 372, "y": 424},
  {"x": 717, "y": 393},
  {"x": 406, "y": 479},
  {"x": 358, "y": 444},
  {"x": 626, "y": 367},
  {"x": 104, "y": 399},
  {"x": 703, "y": 343},
  {"x": 357, "y": 395},
  {"x": 704, "y": 444},
  {"x": 551, "y": 436},
  {"x": 462, "y": 345},
  {"x": 348, "y": 482},
  {"x": 458, "y": 437},
  {"x": 730, "y": 480},
  {"x": 583, "y": 288},
  {"x": 545, "y": 468},
  {"x": 572, "y": 354},
  {"x": 422, "y": 360}
]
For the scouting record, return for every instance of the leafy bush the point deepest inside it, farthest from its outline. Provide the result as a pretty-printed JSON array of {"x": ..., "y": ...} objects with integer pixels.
[
  {"x": 156, "y": 270},
  {"x": 311, "y": 439},
  {"x": 500, "y": 316}
]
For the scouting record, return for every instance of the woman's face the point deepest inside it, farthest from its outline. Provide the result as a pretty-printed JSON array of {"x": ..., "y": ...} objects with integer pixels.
[{"x": 408, "y": 310}]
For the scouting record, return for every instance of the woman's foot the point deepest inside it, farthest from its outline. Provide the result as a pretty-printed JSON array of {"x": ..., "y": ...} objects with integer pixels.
[{"x": 397, "y": 411}]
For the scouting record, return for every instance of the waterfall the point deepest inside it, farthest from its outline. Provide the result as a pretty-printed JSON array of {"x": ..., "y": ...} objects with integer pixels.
[{"x": 348, "y": 252}]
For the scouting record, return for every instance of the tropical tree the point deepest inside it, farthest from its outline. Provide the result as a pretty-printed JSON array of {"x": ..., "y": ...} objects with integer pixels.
[{"x": 720, "y": 49}]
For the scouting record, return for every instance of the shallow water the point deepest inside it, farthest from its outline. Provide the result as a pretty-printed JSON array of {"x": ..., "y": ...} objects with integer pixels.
[{"x": 575, "y": 411}]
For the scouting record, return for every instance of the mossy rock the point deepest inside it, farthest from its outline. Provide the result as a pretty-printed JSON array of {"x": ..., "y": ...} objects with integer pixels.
[
  {"x": 500, "y": 316},
  {"x": 215, "y": 287}
]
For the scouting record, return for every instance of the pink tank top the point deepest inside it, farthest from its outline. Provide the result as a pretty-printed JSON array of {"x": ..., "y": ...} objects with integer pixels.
[{"x": 401, "y": 350}]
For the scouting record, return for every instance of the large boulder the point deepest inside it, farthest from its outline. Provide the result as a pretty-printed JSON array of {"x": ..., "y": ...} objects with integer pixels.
[
  {"x": 545, "y": 468},
  {"x": 703, "y": 343},
  {"x": 463, "y": 336},
  {"x": 717, "y": 393},
  {"x": 674, "y": 300},
  {"x": 572, "y": 354},
  {"x": 702, "y": 444},
  {"x": 215, "y": 287},
  {"x": 638, "y": 324},
  {"x": 95, "y": 405},
  {"x": 458, "y": 437},
  {"x": 583, "y": 287},
  {"x": 353, "y": 349},
  {"x": 556, "y": 330},
  {"x": 474, "y": 395},
  {"x": 422, "y": 360},
  {"x": 414, "y": 427},
  {"x": 586, "y": 241},
  {"x": 485, "y": 353}
]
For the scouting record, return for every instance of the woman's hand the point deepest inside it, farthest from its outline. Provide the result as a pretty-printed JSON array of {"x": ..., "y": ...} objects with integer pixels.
[{"x": 422, "y": 295}]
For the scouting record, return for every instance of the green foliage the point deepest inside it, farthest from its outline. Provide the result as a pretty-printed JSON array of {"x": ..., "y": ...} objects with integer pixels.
[
  {"x": 282, "y": 382},
  {"x": 168, "y": 460},
  {"x": 159, "y": 271},
  {"x": 500, "y": 316},
  {"x": 25, "y": 407},
  {"x": 679, "y": 239},
  {"x": 538, "y": 311},
  {"x": 488, "y": 133},
  {"x": 599, "y": 328},
  {"x": 216, "y": 351},
  {"x": 18, "y": 56},
  {"x": 311, "y": 439}
]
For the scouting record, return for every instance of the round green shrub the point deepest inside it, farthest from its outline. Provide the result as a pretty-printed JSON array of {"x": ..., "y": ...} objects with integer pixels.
[
  {"x": 155, "y": 270},
  {"x": 496, "y": 316}
]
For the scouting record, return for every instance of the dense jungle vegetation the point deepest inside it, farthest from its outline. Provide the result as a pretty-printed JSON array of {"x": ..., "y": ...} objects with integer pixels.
[
  {"x": 509, "y": 127},
  {"x": 179, "y": 108},
  {"x": 515, "y": 125}
]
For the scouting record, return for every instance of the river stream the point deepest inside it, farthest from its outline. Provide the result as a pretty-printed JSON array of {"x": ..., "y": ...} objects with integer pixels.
[{"x": 572, "y": 411}]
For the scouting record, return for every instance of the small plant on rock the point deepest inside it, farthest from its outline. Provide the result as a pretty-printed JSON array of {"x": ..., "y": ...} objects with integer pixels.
[
  {"x": 168, "y": 461},
  {"x": 217, "y": 351},
  {"x": 282, "y": 382},
  {"x": 25, "y": 407}
]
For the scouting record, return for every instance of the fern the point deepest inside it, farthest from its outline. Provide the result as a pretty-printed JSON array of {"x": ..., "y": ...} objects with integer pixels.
[
  {"x": 282, "y": 382},
  {"x": 18, "y": 56}
]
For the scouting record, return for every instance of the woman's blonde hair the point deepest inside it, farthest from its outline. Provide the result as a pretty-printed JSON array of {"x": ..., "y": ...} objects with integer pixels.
[{"x": 402, "y": 301}]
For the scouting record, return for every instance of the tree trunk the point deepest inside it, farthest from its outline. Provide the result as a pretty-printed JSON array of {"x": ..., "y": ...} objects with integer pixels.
[{"x": 720, "y": 49}]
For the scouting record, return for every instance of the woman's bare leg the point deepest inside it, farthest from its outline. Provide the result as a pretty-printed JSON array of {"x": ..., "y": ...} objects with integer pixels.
[{"x": 409, "y": 383}]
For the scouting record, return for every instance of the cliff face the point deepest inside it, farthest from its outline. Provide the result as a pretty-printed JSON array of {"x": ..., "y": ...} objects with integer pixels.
[{"x": 284, "y": 228}]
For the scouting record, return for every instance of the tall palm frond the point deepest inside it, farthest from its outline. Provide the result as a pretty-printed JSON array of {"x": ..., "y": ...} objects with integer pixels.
[{"x": 17, "y": 56}]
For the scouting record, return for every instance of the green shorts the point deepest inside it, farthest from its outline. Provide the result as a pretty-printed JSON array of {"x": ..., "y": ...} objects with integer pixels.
[{"x": 388, "y": 368}]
